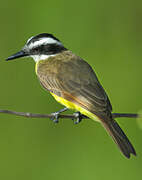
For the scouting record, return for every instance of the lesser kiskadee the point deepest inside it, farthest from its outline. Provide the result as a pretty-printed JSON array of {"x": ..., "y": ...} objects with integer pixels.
[{"x": 73, "y": 83}]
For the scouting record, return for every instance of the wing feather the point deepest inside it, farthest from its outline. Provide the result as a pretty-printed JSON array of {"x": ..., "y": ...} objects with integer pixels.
[{"x": 74, "y": 78}]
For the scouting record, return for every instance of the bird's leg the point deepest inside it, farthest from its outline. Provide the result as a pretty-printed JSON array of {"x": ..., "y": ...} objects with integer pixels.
[
  {"x": 78, "y": 117},
  {"x": 55, "y": 115}
]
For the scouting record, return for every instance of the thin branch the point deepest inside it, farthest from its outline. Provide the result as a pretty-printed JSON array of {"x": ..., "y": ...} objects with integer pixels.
[
  {"x": 67, "y": 116},
  {"x": 125, "y": 115}
]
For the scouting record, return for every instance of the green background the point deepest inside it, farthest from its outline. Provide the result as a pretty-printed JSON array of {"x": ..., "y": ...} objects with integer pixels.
[{"x": 108, "y": 34}]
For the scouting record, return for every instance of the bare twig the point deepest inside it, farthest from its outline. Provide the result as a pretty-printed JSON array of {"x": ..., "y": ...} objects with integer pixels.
[{"x": 67, "y": 116}]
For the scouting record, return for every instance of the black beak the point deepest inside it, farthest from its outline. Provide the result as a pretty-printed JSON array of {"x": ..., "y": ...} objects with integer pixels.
[{"x": 17, "y": 55}]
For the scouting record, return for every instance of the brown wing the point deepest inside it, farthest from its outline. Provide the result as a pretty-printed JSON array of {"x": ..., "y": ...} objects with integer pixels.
[{"x": 74, "y": 80}]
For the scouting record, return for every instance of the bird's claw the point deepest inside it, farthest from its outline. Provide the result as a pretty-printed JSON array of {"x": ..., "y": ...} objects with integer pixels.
[
  {"x": 78, "y": 117},
  {"x": 55, "y": 117}
]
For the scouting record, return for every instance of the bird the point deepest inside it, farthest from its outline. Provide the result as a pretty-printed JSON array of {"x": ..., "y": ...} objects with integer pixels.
[{"x": 74, "y": 84}]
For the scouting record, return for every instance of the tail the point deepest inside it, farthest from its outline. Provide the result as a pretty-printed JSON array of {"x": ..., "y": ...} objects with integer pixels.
[{"x": 119, "y": 137}]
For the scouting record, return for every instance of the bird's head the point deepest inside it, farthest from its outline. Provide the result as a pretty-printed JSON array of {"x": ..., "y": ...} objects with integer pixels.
[{"x": 40, "y": 47}]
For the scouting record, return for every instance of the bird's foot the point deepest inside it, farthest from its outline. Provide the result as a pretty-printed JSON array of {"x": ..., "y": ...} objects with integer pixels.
[
  {"x": 56, "y": 115},
  {"x": 78, "y": 117}
]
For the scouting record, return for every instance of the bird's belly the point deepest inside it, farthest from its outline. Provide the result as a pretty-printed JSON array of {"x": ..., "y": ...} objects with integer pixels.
[{"x": 75, "y": 107}]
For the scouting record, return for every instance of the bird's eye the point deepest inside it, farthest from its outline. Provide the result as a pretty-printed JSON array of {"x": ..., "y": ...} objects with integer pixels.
[{"x": 35, "y": 49}]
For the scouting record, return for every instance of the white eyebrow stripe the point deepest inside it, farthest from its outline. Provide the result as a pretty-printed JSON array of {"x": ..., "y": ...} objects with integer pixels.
[
  {"x": 29, "y": 39},
  {"x": 44, "y": 41}
]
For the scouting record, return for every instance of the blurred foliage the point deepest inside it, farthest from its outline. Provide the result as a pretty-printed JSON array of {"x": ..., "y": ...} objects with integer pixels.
[{"x": 108, "y": 34}]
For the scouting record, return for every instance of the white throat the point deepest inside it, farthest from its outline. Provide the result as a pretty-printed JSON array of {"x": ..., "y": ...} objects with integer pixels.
[{"x": 41, "y": 57}]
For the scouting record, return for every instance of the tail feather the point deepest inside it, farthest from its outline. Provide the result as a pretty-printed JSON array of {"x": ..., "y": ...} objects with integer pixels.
[{"x": 119, "y": 137}]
